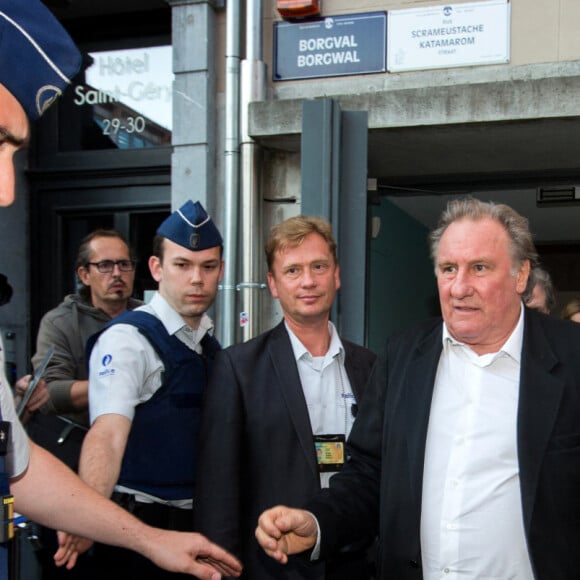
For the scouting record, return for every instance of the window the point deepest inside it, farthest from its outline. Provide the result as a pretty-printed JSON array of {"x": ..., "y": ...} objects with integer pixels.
[{"x": 125, "y": 101}]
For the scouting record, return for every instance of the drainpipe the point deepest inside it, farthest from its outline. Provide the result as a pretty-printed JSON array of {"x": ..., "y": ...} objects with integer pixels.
[
  {"x": 253, "y": 88},
  {"x": 228, "y": 320}
]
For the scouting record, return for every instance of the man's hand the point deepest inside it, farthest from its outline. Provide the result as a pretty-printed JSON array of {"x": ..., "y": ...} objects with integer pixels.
[
  {"x": 39, "y": 396},
  {"x": 190, "y": 553},
  {"x": 283, "y": 531},
  {"x": 69, "y": 549}
]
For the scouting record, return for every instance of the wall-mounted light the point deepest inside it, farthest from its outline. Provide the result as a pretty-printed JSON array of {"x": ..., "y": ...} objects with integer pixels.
[{"x": 298, "y": 8}]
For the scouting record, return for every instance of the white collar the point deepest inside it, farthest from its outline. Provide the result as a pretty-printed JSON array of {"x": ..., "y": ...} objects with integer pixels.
[
  {"x": 512, "y": 346},
  {"x": 172, "y": 320},
  {"x": 335, "y": 347}
]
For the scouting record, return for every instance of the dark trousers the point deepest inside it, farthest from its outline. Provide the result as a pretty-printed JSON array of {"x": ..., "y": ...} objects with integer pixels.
[
  {"x": 111, "y": 563},
  {"x": 43, "y": 543}
]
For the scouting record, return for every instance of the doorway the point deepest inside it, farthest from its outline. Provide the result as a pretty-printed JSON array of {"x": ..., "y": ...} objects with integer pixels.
[{"x": 63, "y": 218}]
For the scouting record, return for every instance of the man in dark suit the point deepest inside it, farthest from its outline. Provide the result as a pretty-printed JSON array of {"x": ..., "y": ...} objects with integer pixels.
[
  {"x": 466, "y": 451},
  {"x": 279, "y": 408}
]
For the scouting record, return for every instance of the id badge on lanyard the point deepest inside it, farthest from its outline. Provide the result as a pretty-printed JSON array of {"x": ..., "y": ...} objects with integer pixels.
[{"x": 330, "y": 453}]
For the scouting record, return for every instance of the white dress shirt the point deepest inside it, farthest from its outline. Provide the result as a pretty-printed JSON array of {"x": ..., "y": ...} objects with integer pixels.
[
  {"x": 326, "y": 388},
  {"x": 471, "y": 519}
]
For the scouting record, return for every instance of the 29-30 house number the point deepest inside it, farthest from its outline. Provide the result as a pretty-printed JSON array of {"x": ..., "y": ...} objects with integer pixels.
[{"x": 129, "y": 125}]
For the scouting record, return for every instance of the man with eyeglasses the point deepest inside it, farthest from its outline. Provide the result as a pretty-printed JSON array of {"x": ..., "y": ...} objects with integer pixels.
[
  {"x": 148, "y": 371},
  {"x": 105, "y": 270}
]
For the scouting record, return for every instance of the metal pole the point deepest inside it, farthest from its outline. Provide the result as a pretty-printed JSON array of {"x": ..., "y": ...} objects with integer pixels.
[
  {"x": 253, "y": 89},
  {"x": 228, "y": 319}
]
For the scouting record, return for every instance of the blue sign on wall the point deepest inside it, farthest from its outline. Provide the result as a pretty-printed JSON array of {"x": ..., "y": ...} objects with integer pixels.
[{"x": 352, "y": 44}]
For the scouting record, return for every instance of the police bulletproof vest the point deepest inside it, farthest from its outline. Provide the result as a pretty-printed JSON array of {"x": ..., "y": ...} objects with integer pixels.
[{"x": 160, "y": 458}]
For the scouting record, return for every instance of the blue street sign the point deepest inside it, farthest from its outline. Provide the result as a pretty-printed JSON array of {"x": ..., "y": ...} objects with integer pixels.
[{"x": 352, "y": 44}]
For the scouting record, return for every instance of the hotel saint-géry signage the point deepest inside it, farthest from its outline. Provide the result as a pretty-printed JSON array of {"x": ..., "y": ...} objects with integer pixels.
[
  {"x": 450, "y": 35},
  {"x": 352, "y": 44},
  {"x": 127, "y": 98}
]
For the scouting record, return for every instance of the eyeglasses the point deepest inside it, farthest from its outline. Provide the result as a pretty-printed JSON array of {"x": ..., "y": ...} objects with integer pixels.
[{"x": 107, "y": 266}]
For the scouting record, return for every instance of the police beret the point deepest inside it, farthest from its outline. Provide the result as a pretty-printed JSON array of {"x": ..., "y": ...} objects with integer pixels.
[
  {"x": 38, "y": 58},
  {"x": 191, "y": 227}
]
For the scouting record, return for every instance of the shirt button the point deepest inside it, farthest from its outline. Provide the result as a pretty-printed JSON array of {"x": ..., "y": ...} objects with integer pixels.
[{"x": 446, "y": 570}]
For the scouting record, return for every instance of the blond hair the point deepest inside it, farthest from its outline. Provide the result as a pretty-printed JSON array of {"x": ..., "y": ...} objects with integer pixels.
[{"x": 291, "y": 233}]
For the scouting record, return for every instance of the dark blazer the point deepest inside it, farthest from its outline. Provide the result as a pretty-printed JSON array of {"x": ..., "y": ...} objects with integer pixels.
[
  {"x": 256, "y": 447},
  {"x": 388, "y": 445}
]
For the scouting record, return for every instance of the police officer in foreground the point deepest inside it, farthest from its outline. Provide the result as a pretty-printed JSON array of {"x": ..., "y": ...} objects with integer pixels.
[
  {"x": 148, "y": 371},
  {"x": 37, "y": 62}
]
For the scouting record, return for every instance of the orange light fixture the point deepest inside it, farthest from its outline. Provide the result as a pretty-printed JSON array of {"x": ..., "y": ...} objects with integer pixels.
[{"x": 298, "y": 8}]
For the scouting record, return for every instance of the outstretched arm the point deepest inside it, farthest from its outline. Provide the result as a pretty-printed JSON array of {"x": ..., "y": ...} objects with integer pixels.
[
  {"x": 51, "y": 494},
  {"x": 284, "y": 531}
]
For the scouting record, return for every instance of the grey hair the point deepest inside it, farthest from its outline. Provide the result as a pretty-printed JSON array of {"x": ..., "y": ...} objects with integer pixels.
[
  {"x": 522, "y": 246},
  {"x": 540, "y": 277}
]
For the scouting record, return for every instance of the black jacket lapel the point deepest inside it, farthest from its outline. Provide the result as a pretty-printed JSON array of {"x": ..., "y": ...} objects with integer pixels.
[
  {"x": 286, "y": 370},
  {"x": 417, "y": 396},
  {"x": 539, "y": 401}
]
